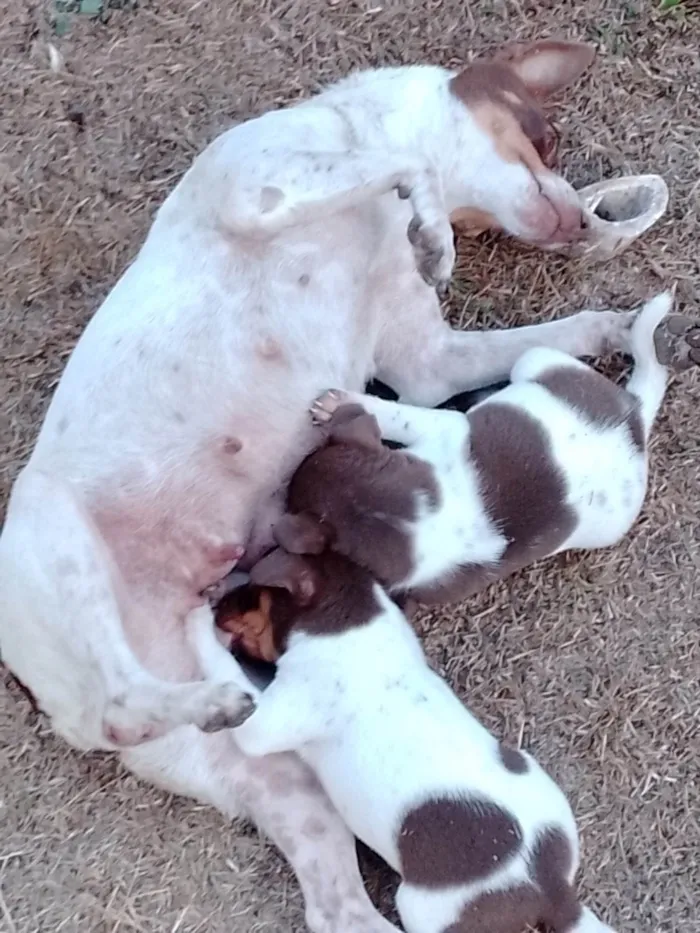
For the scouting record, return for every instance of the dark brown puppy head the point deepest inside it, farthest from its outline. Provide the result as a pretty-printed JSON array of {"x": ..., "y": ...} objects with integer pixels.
[
  {"x": 299, "y": 585},
  {"x": 368, "y": 495}
]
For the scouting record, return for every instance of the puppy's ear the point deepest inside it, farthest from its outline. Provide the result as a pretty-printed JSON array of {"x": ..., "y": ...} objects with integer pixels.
[
  {"x": 351, "y": 424},
  {"x": 302, "y": 533},
  {"x": 546, "y": 66},
  {"x": 280, "y": 570}
]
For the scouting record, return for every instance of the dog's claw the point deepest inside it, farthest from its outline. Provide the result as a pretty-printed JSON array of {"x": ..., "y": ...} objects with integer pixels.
[
  {"x": 325, "y": 406},
  {"x": 433, "y": 246}
]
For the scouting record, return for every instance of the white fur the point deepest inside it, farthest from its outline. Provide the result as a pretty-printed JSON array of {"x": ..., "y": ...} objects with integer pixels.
[
  {"x": 604, "y": 472},
  {"x": 384, "y": 734},
  {"x": 215, "y": 337}
]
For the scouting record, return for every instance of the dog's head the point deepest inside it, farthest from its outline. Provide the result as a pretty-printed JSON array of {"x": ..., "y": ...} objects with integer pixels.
[
  {"x": 299, "y": 584},
  {"x": 506, "y": 180},
  {"x": 369, "y": 495}
]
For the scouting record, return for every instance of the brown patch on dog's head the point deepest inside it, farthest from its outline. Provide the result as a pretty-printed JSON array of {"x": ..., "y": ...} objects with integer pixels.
[
  {"x": 299, "y": 584},
  {"x": 246, "y": 613},
  {"x": 366, "y": 493},
  {"x": 503, "y": 95}
]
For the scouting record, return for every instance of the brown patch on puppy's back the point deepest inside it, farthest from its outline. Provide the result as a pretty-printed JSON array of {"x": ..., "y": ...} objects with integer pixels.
[
  {"x": 599, "y": 400},
  {"x": 548, "y": 901},
  {"x": 452, "y": 841},
  {"x": 511, "y": 453}
]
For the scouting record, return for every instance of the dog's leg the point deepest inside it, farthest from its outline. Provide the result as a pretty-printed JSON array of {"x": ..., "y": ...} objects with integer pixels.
[
  {"x": 281, "y": 795},
  {"x": 402, "y": 424},
  {"x": 63, "y": 574},
  {"x": 284, "y": 720},
  {"x": 304, "y": 187},
  {"x": 287, "y": 802},
  {"x": 426, "y": 362}
]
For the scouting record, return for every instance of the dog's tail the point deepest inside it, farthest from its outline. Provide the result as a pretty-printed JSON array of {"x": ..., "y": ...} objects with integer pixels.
[{"x": 649, "y": 378}]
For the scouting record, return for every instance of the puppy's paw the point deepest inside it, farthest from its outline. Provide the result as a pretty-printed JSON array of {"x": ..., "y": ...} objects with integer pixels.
[
  {"x": 326, "y": 406},
  {"x": 433, "y": 247}
]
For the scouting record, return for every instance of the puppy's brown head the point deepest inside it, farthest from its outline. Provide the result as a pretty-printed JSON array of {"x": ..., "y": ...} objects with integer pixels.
[
  {"x": 301, "y": 585},
  {"x": 508, "y": 181},
  {"x": 368, "y": 495}
]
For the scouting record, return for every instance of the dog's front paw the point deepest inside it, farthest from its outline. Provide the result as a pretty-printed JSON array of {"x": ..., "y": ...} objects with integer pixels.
[
  {"x": 433, "y": 247},
  {"x": 326, "y": 406},
  {"x": 230, "y": 710},
  {"x": 677, "y": 342}
]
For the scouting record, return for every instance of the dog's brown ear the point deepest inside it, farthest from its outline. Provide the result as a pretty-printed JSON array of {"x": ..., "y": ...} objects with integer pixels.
[
  {"x": 351, "y": 424},
  {"x": 549, "y": 65},
  {"x": 280, "y": 570},
  {"x": 302, "y": 533}
]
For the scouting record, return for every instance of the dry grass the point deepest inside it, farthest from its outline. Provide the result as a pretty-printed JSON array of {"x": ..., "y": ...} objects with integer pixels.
[{"x": 591, "y": 660}]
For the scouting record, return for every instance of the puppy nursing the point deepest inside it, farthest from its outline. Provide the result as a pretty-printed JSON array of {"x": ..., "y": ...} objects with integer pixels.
[
  {"x": 556, "y": 460},
  {"x": 483, "y": 838}
]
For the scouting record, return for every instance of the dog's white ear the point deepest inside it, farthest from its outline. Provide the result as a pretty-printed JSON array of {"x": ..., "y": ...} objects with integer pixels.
[{"x": 546, "y": 66}]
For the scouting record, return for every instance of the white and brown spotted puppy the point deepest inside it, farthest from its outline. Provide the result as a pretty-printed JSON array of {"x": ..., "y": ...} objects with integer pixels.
[
  {"x": 556, "y": 460},
  {"x": 483, "y": 838}
]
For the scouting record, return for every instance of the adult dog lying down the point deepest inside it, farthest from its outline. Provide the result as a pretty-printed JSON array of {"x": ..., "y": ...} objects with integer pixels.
[{"x": 277, "y": 267}]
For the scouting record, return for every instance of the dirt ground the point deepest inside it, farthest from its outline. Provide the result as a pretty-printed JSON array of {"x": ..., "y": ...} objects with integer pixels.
[{"x": 591, "y": 661}]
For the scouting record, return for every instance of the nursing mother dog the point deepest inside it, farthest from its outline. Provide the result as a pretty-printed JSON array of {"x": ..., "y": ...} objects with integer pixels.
[{"x": 279, "y": 266}]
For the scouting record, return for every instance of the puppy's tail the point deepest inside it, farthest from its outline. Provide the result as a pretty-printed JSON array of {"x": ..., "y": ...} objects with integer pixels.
[{"x": 648, "y": 381}]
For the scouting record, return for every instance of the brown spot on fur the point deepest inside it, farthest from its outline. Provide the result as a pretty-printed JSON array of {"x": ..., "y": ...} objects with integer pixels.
[
  {"x": 600, "y": 401},
  {"x": 549, "y": 900},
  {"x": 313, "y": 828},
  {"x": 513, "y": 760},
  {"x": 232, "y": 445},
  {"x": 509, "y": 911},
  {"x": 270, "y": 198},
  {"x": 552, "y": 866},
  {"x": 366, "y": 493},
  {"x": 504, "y": 108},
  {"x": 511, "y": 453},
  {"x": 452, "y": 841}
]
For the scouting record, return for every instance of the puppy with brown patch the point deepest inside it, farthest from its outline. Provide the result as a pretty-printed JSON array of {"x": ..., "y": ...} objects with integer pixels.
[
  {"x": 483, "y": 838},
  {"x": 556, "y": 460}
]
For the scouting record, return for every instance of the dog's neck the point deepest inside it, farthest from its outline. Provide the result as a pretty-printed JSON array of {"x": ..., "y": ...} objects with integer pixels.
[{"x": 411, "y": 109}]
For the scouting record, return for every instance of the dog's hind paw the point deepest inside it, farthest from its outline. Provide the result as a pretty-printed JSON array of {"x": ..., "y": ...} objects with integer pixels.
[{"x": 677, "y": 342}]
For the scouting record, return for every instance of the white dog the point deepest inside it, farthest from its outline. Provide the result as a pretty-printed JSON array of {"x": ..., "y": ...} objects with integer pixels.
[
  {"x": 483, "y": 838},
  {"x": 555, "y": 461},
  {"x": 277, "y": 267}
]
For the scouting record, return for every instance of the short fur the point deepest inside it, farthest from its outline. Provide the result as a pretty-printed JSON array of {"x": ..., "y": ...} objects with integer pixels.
[
  {"x": 279, "y": 265},
  {"x": 556, "y": 460},
  {"x": 484, "y": 839}
]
